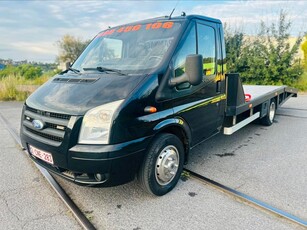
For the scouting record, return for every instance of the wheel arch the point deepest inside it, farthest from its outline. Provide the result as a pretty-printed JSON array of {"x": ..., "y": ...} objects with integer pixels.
[{"x": 178, "y": 127}]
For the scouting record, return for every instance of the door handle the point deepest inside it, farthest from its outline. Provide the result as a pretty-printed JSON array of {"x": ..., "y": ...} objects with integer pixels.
[{"x": 218, "y": 86}]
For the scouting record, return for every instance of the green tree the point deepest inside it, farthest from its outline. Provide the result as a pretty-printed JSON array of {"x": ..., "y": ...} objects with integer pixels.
[
  {"x": 270, "y": 57},
  {"x": 70, "y": 48},
  {"x": 304, "y": 48},
  {"x": 234, "y": 42}
]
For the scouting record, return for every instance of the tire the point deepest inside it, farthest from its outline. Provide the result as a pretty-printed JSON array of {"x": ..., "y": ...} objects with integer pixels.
[
  {"x": 162, "y": 165},
  {"x": 268, "y": 119}
]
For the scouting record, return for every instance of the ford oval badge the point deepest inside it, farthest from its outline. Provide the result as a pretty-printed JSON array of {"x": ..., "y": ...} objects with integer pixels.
[{"x": 38, "y": 124}]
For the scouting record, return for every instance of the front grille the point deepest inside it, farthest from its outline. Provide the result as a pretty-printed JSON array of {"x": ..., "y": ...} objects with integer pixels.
[
  {"x": 55, "y": 125},
  {"x": 49, "y": 114},
  {"x": 60, "y": 116},
  {"x": 47, "y": 136}
]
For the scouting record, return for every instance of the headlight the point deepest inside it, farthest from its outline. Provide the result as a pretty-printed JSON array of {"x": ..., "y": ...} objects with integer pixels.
[{"x": 96, "y": 124}]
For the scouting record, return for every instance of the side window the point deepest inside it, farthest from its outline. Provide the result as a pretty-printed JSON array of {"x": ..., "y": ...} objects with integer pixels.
[
  {"x": 187, "y": 47},
  {"x": 207, "y": 48}
]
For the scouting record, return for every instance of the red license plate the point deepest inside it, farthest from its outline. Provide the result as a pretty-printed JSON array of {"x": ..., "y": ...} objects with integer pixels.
[{"x": 45, "y": 156}]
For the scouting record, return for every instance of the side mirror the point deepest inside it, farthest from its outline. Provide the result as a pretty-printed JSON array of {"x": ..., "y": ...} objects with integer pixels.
[
  {"x": 194, "y": 68},
  {"x": 193, "y": 71}
]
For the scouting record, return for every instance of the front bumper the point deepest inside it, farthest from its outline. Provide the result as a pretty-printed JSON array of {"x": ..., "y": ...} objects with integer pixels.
[{"x": 94, "y": 165}]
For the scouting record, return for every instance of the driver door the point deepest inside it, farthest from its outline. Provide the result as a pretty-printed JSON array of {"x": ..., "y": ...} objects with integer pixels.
[{"x": 198, "y": 105}]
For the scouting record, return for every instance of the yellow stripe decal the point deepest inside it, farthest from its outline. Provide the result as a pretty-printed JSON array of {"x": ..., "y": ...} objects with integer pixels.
[{"x": 205, "y": 102}]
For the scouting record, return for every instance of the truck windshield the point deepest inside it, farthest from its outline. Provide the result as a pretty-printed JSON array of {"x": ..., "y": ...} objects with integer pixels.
[{"x": 129, "y": 49}]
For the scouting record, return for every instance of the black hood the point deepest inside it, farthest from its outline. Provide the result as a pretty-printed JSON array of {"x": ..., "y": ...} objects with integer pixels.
[{"x": 76, "y": 94}]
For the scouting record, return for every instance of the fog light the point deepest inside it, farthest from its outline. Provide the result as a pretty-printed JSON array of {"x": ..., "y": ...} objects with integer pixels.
[{"x": 99, "y": 177}]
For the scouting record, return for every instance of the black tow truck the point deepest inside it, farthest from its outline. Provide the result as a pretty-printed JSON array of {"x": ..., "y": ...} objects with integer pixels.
[{"x": 137, "y": 100}]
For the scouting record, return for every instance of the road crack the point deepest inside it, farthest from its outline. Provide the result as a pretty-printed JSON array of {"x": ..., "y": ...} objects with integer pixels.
[{"x": 8, "y": 208}]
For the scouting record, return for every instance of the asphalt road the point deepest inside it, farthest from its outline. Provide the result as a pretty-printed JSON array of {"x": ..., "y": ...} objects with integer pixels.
[
  {"x": 26, "y": 199},
  {"x": 268, "y": 163}
]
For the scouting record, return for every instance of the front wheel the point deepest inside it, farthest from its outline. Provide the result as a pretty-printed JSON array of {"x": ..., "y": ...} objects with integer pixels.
[
  {"x": 163, "y": 164},
  {"x": 268, "y": 119}
]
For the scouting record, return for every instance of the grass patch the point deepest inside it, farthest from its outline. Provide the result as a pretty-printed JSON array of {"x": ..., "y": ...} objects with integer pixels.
[
  {"x": 37, "y": 81},
  {"x": 16, "y": 88},
  {"x": 8, "y": 90},
  {"x": 12, "y": 88}
]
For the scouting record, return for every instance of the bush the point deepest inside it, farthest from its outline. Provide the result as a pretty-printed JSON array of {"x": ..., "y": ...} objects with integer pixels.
[
  {"x": 29, "y": 71},
  {"x": 301, "y": 84},
  {"x": 9, "y": 70}
]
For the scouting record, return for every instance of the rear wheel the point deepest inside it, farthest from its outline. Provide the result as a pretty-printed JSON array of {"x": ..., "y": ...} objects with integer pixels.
[
  {"x": 163, "y": 164},
  {"x": 268, "y": 119}
]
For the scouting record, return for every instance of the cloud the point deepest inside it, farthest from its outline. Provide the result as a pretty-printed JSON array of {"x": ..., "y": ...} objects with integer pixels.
[
  {"x": 24, "y": 24},
  {"x": 248, "y": 14},
  {"x": 30, "y": 28},
  {"x": 35, "y": 47}
]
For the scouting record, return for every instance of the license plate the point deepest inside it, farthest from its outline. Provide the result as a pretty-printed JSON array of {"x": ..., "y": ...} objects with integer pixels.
[{"x": 45, "y": 156}]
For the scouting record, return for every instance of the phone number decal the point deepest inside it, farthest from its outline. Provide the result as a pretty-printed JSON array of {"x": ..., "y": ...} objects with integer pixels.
[{"x": 149, "y": 26}]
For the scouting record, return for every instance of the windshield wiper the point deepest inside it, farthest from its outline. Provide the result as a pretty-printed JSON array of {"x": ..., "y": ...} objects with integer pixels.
[
  {"x": 74, "y": 70},
  {"x": 71, "y": 69},
  {"x": 104, "y": 69}
]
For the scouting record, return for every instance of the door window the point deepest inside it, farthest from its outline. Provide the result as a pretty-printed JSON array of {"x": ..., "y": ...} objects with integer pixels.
[
  {"x": 199, "y": 40},
  {"x": 187, "y": 47},
  {"x": 206, "y": 47}
]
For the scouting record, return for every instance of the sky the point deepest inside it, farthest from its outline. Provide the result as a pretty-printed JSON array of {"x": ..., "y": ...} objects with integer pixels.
[{"x": 29, "y": 30}]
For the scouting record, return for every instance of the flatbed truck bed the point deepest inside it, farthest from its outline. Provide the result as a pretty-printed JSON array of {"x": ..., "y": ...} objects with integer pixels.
[{"x": 240, "y": 112}]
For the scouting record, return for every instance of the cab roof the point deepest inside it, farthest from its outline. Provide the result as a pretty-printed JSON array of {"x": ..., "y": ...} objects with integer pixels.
[{"x": 177, "y": 18}]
